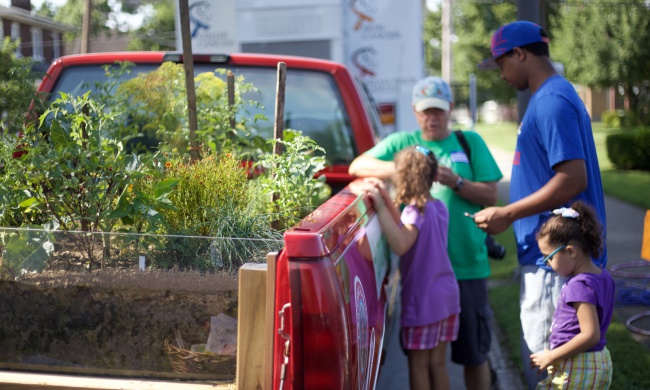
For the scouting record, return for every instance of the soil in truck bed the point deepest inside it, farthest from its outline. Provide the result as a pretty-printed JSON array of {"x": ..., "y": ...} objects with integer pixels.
[{"x": 116, "y": 322}]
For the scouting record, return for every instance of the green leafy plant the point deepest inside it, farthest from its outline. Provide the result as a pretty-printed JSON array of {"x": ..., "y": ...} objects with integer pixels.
[
  {"x": 236, "y": 235},
  {"x": 155, "y": 106},
  {"x": 73, "y": 178},
  {"x": 629, "y": 149},
  {"x": 204, "y": 186},
  {"x": 24, "y": 251},
  {"x": 213, "y": 224},
  {"x": 17, "y": 89},
  {"x": 288, "y": 187}
]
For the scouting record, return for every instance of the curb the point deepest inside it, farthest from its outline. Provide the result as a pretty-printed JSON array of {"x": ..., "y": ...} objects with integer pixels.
[{"x": 508, "y": 376}]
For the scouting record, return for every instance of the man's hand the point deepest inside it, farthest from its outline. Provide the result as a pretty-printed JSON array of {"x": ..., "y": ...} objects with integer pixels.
[
  {"x": 492, "y": 220},
  {"x": 446, "y": 176}
]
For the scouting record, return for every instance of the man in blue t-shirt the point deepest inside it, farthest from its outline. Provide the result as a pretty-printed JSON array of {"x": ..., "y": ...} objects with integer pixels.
[{"x": 555, "y": 164}]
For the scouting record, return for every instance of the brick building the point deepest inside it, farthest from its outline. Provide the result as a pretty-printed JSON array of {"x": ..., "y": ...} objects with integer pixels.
[{"x": 40, "y": 38}]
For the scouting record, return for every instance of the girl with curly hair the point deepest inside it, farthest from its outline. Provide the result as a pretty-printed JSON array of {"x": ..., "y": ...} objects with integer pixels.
[{"x": 430, "y": 295}]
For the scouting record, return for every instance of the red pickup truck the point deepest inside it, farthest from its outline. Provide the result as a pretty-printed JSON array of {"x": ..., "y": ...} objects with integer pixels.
[
  {"x": 334, "y": 281},
  {"x": 336, "y": 289},
  {"x": 321, "y": 322},
  {"x": 322, "y": 99}
]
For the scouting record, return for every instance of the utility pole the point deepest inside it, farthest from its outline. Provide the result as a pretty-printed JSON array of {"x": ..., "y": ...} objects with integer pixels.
[
  {"x": 446, "y": 41},
  {"x": 85, "y": 26},
  {"x": 526, "y": 10}
]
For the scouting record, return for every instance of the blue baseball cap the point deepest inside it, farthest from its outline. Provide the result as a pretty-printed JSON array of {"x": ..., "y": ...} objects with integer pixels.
[
  {"x": 431, "y": 92},
  {"x": 509, "y": 36}
]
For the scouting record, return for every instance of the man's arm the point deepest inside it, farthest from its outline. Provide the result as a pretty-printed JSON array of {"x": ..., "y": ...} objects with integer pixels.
[
  {"x": 481, "y": 193},
  {"x": 569, "y": 180},
  {"x": 368, "y": 166},
  {"x": 477, "y": 192}
]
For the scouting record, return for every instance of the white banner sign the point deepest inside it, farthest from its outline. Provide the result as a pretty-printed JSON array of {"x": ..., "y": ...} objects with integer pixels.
[
  {"x": 384, "y": 49},
  {"x": 212, "y": 26}
]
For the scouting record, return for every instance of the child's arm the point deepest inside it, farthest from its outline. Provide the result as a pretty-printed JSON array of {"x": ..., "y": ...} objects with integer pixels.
[
  {"x": 400, "y": 237},
  {"x": 394, "y": 212},
  {"x": 588, "y": 337}
]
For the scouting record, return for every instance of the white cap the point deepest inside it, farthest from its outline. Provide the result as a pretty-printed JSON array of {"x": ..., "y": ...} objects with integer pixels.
[{"x": 432, "y": 92}]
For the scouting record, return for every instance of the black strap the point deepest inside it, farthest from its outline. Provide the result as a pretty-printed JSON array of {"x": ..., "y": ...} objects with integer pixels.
[{"x": 463, "y": 143}]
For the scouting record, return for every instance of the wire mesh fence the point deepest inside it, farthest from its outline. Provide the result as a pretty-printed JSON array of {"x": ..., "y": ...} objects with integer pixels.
[{"x": 120, "y": 304}]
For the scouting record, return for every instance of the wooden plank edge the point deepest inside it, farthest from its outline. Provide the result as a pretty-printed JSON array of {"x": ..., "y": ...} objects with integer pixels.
[
  {"x": 269, "y": 320},
  {"x": 86, "y": 382}
]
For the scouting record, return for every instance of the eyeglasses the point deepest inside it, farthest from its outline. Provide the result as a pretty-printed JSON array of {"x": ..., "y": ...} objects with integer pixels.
[
  {"x": 550, "y": 257},
  {"x": 423, "y": 150}
]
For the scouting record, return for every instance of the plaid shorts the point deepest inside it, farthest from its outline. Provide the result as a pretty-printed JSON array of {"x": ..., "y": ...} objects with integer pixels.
[
  {"x": 587, "y": 370},
  {"x": 428, "y": 336}
]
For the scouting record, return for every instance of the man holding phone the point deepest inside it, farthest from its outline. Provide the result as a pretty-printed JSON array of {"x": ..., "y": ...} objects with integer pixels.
[{"x": 555, "y": 164}]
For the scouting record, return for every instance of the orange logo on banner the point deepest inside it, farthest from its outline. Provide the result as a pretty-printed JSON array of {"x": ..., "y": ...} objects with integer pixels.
[{"x": 645, "y": 247}]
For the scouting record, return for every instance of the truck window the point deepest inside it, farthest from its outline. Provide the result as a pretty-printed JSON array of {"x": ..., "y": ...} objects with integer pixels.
[
  {"x": 313, "y": 104},
  {"x": 77, "y": 80},
  {"x": 372, "y": 110}
]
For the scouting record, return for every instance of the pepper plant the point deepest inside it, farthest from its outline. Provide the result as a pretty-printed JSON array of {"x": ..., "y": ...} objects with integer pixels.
[
  {"x": 288, "y": 187},
  {"x": 70, "y": 177}
]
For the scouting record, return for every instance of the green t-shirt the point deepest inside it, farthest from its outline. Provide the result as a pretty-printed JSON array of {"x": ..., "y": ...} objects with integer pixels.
[{"x": 466, "y": 244}]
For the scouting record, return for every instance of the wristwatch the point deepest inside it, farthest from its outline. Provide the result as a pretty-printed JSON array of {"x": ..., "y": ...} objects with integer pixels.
[{"x": 460, "y": 183}]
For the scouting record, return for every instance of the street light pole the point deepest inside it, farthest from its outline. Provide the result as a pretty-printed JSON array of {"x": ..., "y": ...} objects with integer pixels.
[
  {"x": 446, "y": 41},
  {"x": 526, "y": 10}
]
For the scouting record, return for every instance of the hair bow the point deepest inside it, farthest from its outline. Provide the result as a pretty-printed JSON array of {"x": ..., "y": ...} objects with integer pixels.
[{"x": 566, "y": 212}]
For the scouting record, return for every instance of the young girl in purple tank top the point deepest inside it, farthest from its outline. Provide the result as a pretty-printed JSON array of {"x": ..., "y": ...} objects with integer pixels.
[
  {"x": 430, "y": 296},
  {"x": 578, "y": 358}
]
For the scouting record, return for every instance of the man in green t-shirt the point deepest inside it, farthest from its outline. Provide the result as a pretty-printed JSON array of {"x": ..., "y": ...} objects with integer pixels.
[{"x": 464, "y": 188}]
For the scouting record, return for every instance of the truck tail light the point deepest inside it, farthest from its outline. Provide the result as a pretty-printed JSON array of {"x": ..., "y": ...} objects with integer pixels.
[{"x": 320, "y": 341}]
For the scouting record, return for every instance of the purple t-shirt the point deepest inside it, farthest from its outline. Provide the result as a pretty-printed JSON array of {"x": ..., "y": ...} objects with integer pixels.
[
  {"x": 590, "y": 288},
  {"x": 429, "y": 288}
]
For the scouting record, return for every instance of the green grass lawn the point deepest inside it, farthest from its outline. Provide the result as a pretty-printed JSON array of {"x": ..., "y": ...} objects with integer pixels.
[
  {"x": 628, "y": 186},
  {"x": 630, "y": 357}
]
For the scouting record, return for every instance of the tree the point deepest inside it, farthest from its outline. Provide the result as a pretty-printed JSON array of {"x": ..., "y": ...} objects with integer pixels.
[
  {"x": 605, "y": 43},
  {"x": 158, "y": 31},
  {"x": 432, "y": 41},
  {"x": 106, "y": 14},
  {"x": 473, "y": 25}
]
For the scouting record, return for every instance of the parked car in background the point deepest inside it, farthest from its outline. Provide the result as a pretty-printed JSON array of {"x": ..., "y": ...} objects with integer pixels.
[{"x": 322, "y": 99}]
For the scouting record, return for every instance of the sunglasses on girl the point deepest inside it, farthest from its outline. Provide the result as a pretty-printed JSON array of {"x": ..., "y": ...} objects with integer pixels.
[{"x": 550, "y": 257}]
